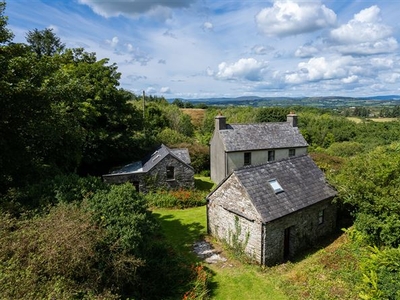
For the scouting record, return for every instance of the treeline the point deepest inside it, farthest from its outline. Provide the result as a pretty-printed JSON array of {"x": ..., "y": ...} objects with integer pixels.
[
  {"x": 64, "y": 121},
  {"x": 64, "y": 234},
  {"x": 362, "y": 161}
]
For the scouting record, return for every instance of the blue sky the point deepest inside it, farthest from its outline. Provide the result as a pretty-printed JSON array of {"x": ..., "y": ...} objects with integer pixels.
[{"x": 230, "y": 48}]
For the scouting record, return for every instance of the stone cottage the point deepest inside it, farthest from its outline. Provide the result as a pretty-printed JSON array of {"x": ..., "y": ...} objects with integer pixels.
[
  {"x": 272, "y": 210},
  {"x": 165, "y": 168},
  {"x": 235, "y": 145}
]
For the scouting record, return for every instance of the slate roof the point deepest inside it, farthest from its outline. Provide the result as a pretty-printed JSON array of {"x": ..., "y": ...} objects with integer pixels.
[
  {"x": 302, "y": 181},
  {"x": 152, "y": 160},
  {"x": 242, "y": 137}
]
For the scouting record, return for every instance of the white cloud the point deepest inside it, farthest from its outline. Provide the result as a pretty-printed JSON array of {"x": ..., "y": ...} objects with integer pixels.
[
  {"x": 382, "y": 63},
  {"x": 350, "y": 79},
  {"x": 306, "y": 51},
  {"x": 165, "y": 90},
  {"x": 393, "y": 78},
  {"x": 320, "y": 68},
  {"x": 364, "y": 34},
  {"x": 54, "y": 28},
  {"x": 286, "y": 18},
  {"x": 261, "y": 50},
  {"x": 113, "y": 42},
  {"x": 245, "y": 68},
  {"x": 160, "y": 9},
  {"x": 208, "y": 26}
]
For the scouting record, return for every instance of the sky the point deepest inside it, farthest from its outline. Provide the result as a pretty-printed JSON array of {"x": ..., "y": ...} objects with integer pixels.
[{"x": 230, "y": 48}]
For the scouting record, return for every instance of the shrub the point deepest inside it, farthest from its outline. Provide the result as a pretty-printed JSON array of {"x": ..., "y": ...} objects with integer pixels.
[
  {"x": 199, "y": 289},
  {"x": 381, "y": 274},
  {"x": 51, "y": 256},
  {"x": 176, "y": 198}
]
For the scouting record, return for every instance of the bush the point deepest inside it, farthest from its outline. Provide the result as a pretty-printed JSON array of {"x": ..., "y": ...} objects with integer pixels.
[
  {"x": 345, "y": 149},
  {"x": 61, "y": 188},
  {"x": 381, "y": 273},
  {"x": 176, "y": 199},
  {"x": 54, "y": 256}
]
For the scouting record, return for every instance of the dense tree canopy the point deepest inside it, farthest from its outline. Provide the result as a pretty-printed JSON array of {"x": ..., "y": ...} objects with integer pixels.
[{"x": 44, "y": 42}]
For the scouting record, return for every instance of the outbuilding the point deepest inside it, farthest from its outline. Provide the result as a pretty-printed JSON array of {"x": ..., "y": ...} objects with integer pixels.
[
  {"x": 165, "y": 168},
  {"x": 273, "y": 210}
]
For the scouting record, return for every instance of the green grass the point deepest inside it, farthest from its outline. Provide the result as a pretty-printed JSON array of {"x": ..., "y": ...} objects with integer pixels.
[
  {"x": 330, "y": 272},
  {"x": 203, "y": 183},
  {"x": 183, "y": 227}
]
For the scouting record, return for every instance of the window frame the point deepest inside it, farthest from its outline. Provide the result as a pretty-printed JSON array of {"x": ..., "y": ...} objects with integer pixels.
[
  {"x": 276, "y": 186},
  {"x": 271, "y": 155},
  {"x": 321, "y": 217},
  {"x": 247, "y": 158},
  {"x": 292, "y": 152},
  {"x": 170, "y": 170}
]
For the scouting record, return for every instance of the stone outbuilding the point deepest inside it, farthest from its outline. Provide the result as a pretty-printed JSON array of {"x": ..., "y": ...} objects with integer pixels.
[
  {"x": 273, "y": 210},
  {"x": 236, "y": 145},
  {"x": 165, "y": 168}
]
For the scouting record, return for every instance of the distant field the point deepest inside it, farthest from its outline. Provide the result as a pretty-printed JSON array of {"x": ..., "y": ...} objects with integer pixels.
[
  {"x": 197, "y": 115},
  {"x": 359, "y": 120}
]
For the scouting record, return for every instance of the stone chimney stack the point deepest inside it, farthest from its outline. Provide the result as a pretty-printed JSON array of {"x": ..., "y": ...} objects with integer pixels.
[
  {"x": 292, "y": 119},
  {"x": 220, "y": 122}
]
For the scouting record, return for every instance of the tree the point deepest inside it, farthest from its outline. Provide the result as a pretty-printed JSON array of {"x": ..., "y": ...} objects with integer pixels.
[
  {"x": 371, "y": 184},
  {"x": 44, "y": 42},
  {"x": 271, "y": 114},
  {"x": 5, "y": 34}
]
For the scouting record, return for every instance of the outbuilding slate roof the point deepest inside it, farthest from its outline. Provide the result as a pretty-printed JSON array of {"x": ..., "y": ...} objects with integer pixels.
[
  {"x": 303, "y": 184},
  {"x": 153, "y": 159},
  {"x": 242, "y": 137}
]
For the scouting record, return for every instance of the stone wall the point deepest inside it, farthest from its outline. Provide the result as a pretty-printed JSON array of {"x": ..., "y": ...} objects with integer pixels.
[
  {"x": 230, "y": 214},
  {"x": 305, "y": 231}
]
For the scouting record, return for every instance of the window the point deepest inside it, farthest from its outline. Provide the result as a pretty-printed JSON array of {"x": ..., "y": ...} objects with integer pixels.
[
  {"x": 247, "y": 158},
  {"x": 321, "y": 215},
  {"x": 170, "y": 173},
  {"x": 275, "y": 186},
  {"x": 136, "y": 185},
  {"x": 271, "y": 155},
  {"x": 292, "y": 152}
]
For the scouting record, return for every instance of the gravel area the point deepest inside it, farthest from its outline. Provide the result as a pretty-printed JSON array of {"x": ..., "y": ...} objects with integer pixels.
[{"x": 205, "y": 251}]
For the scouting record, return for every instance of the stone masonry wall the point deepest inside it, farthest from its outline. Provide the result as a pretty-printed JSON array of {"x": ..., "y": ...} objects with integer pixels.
[
  {"x": 304, "y": 231},
  {"x": 231, "y": 215}
]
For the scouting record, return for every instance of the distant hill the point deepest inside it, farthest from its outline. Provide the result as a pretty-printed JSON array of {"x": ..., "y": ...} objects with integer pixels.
[{"x": 328, "y": 102}]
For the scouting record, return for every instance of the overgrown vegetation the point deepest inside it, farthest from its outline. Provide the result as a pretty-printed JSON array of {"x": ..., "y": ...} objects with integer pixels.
[{"x": 64, "y": 234}]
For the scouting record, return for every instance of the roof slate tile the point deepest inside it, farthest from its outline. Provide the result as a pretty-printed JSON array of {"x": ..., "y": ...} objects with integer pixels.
[{"x": 302, "y": 181}]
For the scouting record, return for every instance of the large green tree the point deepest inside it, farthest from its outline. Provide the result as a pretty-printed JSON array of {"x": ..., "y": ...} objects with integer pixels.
[
  {"x": 44, "y": 42},
  {"x": 370, "y": 183},
  {"x": 5, "y": 34}
]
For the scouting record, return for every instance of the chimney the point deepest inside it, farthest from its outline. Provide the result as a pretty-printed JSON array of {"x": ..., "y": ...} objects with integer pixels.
[
  {"x": 220, "y": 122},
  {"x": 292, "y": 119}
]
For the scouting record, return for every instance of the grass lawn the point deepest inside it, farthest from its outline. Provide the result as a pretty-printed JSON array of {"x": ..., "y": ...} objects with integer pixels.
[
  {"x": 231, "y": 279},
  {"x": 329, "y": 272}
]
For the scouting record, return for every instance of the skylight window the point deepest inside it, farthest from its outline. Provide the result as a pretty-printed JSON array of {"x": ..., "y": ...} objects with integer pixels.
[{"x": 275, "y": 186}]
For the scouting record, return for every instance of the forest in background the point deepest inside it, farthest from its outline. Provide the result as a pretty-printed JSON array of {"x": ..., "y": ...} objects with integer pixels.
[{"x": 65, "y": 234}]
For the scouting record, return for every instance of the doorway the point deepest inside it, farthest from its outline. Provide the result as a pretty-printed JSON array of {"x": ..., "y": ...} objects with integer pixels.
[{"x": 287, "y": 243}]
